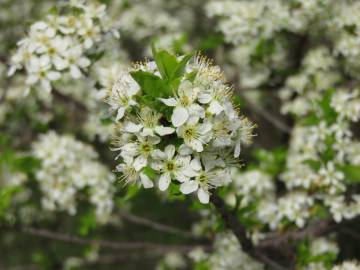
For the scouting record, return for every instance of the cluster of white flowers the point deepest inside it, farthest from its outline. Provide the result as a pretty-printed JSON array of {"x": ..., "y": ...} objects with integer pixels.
[
  {"x": 60, "y": 43},
  {"x": 318, "y": 74},
  {"x": 345, "y": 26},
  {"x": 348, "y": 265},
  {"x": 321, "y": 152},
  {"x": 9, "y": 178},
  {"x": 294, "y": 207},
  {"x": 319, "y": 250},
  {"x": 242, "y": 21},
  {"x": 227, "y": 255},
  {"x": 191, "y": 135},
  {"x": 172, "y": 260},
  {"x": 14, "y": 17},
  {"x": 152, "y": 19},
  {"x": 253, "y": 185},
  {"x": 69, "y": 167}
]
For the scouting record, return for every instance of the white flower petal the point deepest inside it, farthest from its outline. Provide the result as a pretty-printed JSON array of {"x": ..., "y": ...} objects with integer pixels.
[
  {"x": 181, "y": 177},
  {"x": 170, "y": 151},
  {"x": 120, "y": 113},
  {"x": 197, "y": 110},
  {"x": 145, "y": 180},
  {"x": 203, "y": 196},
  {"x": 147, "y": 132},
  {"x": 53, "y": 75},
  {"x": 179, "y": 116},
  {"x": 169, "y": 101},
  {"x": 162, "y": 131},
  {"x": 157, "y": 154},
  {"x": 204, "y": 128},
  {"x": 196, "y": 145},
  {"x": 140, "y": 162},
  {"x": 75, "y": 72},
  {"x": 132, "y": 128},
  {"x": 164, "y": 181},
  {"x": 237, "y": 150},
  {"x": 204, "y": 98},
  {"x": 184, "y": 150},
  {"x": 215, "y": 107},
  {"x": 195, "y": 164},
  {"x": 189, "y": 187}
]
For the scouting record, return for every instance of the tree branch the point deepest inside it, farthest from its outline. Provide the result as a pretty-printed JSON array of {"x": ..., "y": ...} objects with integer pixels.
[
  {"x": 156, "y": 226},
  {"x": 232, "y": 223},
  {"x": 154, "y": 247},
  {"x": 272, "y": 119},
  {"x": 315, "y": 229}
]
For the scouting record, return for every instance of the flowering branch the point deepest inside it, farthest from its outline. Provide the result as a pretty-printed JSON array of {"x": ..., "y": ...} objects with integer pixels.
[{"x": 232, "y": 223}]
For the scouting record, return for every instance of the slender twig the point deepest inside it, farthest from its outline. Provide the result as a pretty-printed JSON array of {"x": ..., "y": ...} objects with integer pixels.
[
  {"x": 69, "y": 100},
  {"x": 154, "y": 247},
  {"x": 156, "y": 225},
  {"x": 232, "y": 223},
  {"x": 271, "y": 118},
  {"x": 351, "y": 232},
  {"x": 316, "y": 229}
]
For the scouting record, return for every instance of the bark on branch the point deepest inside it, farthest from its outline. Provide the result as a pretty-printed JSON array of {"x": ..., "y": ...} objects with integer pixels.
[
  {"x": 232, "y": 223},
  {"x": 115, "y": 245}
]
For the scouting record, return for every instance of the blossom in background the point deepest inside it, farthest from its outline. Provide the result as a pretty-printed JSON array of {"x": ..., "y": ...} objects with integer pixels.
[
  {"x": 59, "y": 44},
  {"x": 67, "y": 167}
]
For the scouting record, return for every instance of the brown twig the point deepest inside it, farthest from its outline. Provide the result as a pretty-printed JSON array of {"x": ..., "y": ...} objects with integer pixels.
[
  {"x": 69, "y": 100},
  {"x": 155, "y": 225},
  {"x": 271, "y": 118},
  {"x": 316, "y": 229},
  {"x": 154, "y": 247},
  {"x": 232, "y": 223}
]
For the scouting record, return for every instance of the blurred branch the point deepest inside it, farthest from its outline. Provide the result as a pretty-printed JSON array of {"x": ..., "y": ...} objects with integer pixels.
[
  {"x": 232, "y": 223},
  {"x": 156, "y": 226},
  {"x": 154, "y": 247},
  {"x": 69, "y": 100},
  {"x": 267, "y": 115},
  {"x": 315, "y": 229},
  {"x": 3, "y": 96}
]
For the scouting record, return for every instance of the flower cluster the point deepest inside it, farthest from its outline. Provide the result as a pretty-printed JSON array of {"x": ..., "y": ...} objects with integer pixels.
[
  {"x": 295, "y": 207},
  {"x": 67, "y": 168},
  {"x": 177, "y": 125},
  {"x": 347, "y": 265},
  {"x": 321, "y": 253},
  {"x": 60, "y": 44},
  {"x": 227, "y": 254},
  {"x": 241, "y": 21},
  {"x": 252, "y": 185}
]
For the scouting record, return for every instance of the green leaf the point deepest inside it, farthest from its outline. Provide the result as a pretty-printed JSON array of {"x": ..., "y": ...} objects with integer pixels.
[
  {"x": 180, "y": 68},
  {"x": 314, "y": 164},
  {"x": 151, "y": 84},
  {"x": 328, "y": 112},
  {"x": 87, "y": 223},
  {"x": 168, "y": 64},
  {"x": 165, "y": 62},
  {"x": 6, "y": 195},
  {"x": 151, "y": 173},
  {"x": 352, "y": 173},
  {"x": 271, "y": 162},
  {"x": 191, "y": 76},
  {"x": 263, "y": 49},
  {"x": 174, "y": 192},
  {"x": 211, "y": 42},
  {"x": 130, "y": 193}
]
